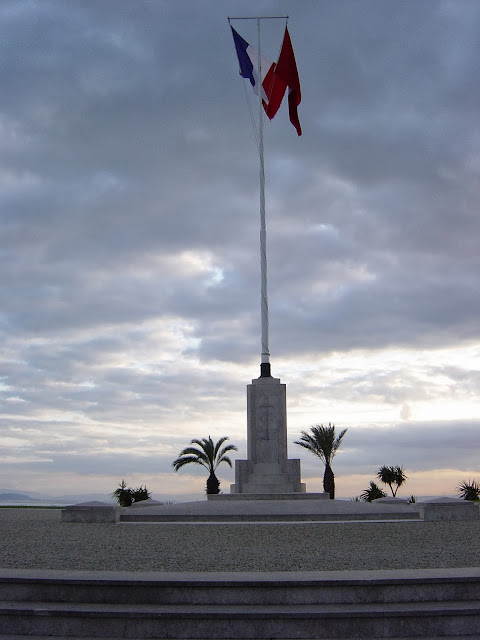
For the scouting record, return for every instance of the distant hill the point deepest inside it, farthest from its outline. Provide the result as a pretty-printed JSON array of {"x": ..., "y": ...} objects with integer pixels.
[
  {"x": 7, "y": 496},
  {"x": 16, "y": 497},
  {"x": 34, "y": 498}
]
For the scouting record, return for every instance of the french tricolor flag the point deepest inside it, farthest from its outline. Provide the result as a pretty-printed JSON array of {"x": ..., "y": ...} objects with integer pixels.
[
  {"x": 275, "y": 77},
  {"x": 248, "y": 61}
]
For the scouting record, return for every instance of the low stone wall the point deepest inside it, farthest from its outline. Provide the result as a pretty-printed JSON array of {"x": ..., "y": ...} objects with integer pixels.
[{"x": 91, "y": 512}]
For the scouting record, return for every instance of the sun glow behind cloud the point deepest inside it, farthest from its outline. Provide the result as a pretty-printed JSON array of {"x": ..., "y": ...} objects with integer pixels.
[{"x": 365, "y": 387}]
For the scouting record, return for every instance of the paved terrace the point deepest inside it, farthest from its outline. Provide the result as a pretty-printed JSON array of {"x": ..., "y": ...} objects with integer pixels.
[{"x": 37, "y": 539}]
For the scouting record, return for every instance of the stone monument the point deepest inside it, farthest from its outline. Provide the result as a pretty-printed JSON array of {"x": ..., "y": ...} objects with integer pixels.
[{"x": 267, "y": 469}]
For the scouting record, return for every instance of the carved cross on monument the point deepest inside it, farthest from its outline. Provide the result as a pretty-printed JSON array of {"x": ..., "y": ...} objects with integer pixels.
[
  {"x": 267, "y": 447},
  {"x": 264, "y": 416}
]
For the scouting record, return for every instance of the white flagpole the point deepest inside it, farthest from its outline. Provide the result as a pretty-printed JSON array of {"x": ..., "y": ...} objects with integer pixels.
[
  {"x": 265, "y": 355},
  {"x": 265, "y": 370}
]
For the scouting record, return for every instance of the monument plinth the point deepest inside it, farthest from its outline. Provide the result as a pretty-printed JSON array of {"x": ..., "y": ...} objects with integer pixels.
[{"x": 268, "y": 469}]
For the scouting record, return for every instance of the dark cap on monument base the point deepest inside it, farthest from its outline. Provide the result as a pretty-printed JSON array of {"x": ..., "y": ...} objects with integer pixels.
[{"x": 265, "y": 371}]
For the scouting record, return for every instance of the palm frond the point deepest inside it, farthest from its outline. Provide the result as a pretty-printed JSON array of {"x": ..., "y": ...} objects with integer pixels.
[
  {"x": 338, "y": 441},
  {"x": 312, "y": 443},
  {"x": 208, "y": 449},
  {"x": 313, "y": 450},
  {"x": 180, "y": 462},
  {"x": 221, "y": 457},
  {"x": 193, "y": 451},
  {"x": 224, "y": 459},
  {"x": 224, "y": 450},
  {"x": 219, "y": 444},
  {"x": 203, "y": 443}
]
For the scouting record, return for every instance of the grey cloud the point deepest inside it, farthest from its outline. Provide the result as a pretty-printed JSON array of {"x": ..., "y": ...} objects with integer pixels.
[
  {"x": 416, "y": 446},
  {"x": 125, "y": 145}
]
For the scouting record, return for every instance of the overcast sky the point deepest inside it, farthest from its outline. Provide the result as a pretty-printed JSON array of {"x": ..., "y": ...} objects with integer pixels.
[{"x": 129, "y": 316}]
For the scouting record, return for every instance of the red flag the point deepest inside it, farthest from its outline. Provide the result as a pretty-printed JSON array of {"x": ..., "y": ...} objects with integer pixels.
[{"x": 285, "y": 75}]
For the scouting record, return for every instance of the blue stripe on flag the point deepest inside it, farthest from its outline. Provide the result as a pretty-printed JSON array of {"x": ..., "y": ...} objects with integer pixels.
[{"x": 246, "y": 66}]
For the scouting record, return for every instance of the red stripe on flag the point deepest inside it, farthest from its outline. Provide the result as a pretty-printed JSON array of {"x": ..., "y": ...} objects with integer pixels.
[{"x": 285, "y": 75}]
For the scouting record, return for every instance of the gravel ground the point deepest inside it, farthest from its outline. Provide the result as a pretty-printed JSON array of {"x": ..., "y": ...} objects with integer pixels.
[{"x": 37, "y": 539}]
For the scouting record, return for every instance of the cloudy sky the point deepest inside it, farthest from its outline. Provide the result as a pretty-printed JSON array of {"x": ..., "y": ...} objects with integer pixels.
[{"x": 129, "y": 253}]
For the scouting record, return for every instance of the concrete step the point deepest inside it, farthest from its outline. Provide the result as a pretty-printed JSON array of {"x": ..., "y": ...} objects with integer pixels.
[
  {"x": 324, "y": 605},
  {"x": 279, "y": 477},
  {"x": 267, "y": 486},
  {"x": 62, "y": 637},
  {"x": 267, "y": 467},
  {"x": 298, "y": 495},
  {"x": 252, "y": 621},
  {"x": 145, "y": 516},
  {"x": 278, "y": 588}
]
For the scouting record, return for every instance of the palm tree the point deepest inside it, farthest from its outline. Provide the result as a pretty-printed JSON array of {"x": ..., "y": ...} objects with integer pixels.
[
  {"x": 323, "y": 442},
  {"x": 208, "y": 455},
  {"x": 392, "y": 476},
  {"x": 372, "y": 493}
]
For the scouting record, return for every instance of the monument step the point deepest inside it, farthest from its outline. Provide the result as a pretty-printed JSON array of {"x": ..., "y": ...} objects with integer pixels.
[
  {"x": 303, "y": 516},
  {"x": 372, "y": 620},
  {"x": 268, "y": 478},
  {"x": 268, "y": 468},
  {"x": 267, "y": 487},
  {"x": 298, "y": 495}
]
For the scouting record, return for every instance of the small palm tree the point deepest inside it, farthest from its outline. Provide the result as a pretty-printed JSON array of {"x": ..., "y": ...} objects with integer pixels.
[
  {"x": 372, "y": 493},
  {"x": 469, "y": 490},
  {"x": 208, "y": 455},
  {"x": 392, "y": 476},
  {"x": 323, "y": 442}
]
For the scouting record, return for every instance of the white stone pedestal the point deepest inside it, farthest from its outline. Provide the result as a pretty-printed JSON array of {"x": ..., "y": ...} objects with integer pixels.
[{"x": 267, "y": 470}]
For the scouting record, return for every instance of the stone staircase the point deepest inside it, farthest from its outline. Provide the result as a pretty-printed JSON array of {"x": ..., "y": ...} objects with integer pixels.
[
  {"x": 267, "y": 477},
  {"x": 441, "y": 603}
]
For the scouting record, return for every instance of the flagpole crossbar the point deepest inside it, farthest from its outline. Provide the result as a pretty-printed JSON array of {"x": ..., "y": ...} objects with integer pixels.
[{"x": 257, "y": 18}]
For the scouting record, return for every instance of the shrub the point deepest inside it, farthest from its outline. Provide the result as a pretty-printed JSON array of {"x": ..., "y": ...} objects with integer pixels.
[
  {"x": 140, "y": 493},
  {"x": 126, "y": 496},
  {"x": 372, "y": 493},
  {"x": 469, "y": 490}
]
